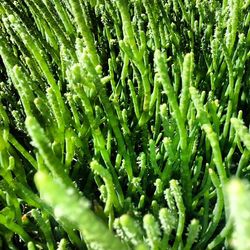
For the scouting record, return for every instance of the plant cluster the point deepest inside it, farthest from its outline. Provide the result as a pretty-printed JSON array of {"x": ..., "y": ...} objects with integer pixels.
[{"x": 122, "y": 123}]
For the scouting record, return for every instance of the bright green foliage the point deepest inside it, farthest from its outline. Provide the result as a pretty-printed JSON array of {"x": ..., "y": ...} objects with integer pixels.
[
  {"x": 238, "y": 195},
  {"x": 93, "y": 231},
  {"x": 122, "y": 122}
]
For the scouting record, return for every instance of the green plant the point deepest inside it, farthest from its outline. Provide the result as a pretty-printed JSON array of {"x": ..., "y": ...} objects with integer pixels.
[{"x": 122, "y": 123}]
